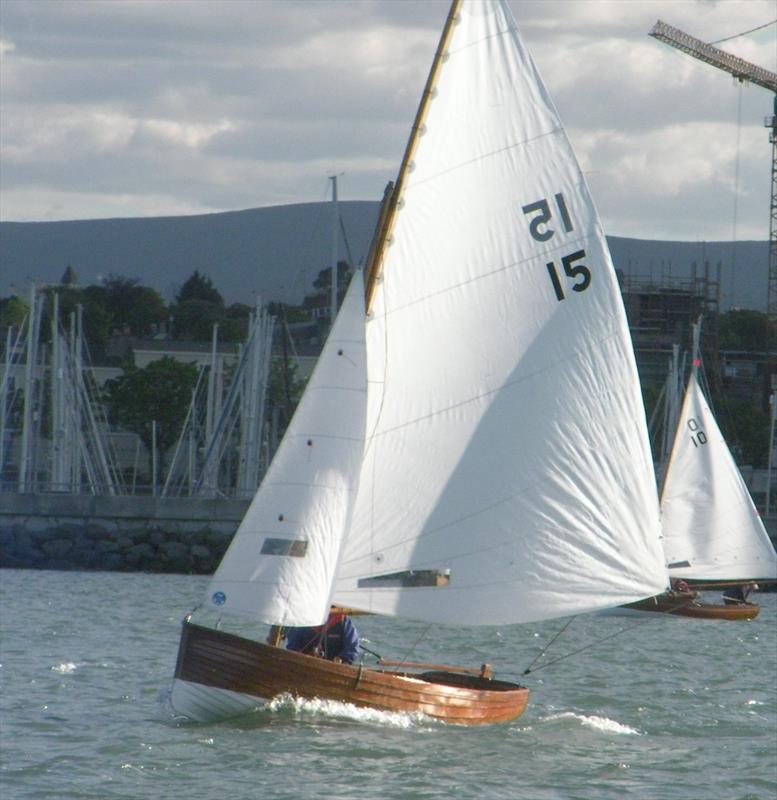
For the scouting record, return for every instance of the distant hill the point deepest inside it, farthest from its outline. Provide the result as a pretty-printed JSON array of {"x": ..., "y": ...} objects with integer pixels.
[{"x": 277, "y": 252}]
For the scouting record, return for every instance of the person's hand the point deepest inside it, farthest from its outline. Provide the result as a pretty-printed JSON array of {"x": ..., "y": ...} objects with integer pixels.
[{"x": 337, "y": 660}]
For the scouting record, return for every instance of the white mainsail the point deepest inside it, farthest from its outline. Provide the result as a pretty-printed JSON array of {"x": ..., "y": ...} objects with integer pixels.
[
  {"x": 280, "y": 566},
  {"x": 712, "y": 530},
  {"x": 507, "y": 473}
]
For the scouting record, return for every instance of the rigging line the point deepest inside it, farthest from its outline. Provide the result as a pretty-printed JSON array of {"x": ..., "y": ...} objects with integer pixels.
[
  {"x": 744, "y": 33},
  {"x": 371, "y": 652},
  {"x": 682, "y": 602},
  {"x": 587, "y": 647},
  {"x": 548, "y": 646},
  {"x": 409, "y": 652}
]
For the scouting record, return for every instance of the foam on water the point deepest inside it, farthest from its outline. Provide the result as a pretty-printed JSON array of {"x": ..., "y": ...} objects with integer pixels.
[
  {"x": 95, "y": 732},
  {"x": 602, "y": 724},
  {"x": 65, "y": 668},
  {"x": 332, "y": 708}
]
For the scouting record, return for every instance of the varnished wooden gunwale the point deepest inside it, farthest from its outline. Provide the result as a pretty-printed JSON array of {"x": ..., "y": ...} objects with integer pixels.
[
  {"x": 680, "y": 605},
  {"x": 226, "y": 661}
]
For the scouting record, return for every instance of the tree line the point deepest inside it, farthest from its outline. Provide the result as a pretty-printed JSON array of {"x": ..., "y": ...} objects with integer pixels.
[{"x": 121, "y": 306}]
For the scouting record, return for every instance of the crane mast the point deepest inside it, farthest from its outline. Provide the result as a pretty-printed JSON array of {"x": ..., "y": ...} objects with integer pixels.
[{"x": 743, "y": 71}]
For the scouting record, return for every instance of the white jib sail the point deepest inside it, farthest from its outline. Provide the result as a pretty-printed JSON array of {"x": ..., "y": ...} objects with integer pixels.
[
  {"x": 507, "y": 474},
  {"x": 711, "y": 527},
  {"x": 281, "y": 564}
]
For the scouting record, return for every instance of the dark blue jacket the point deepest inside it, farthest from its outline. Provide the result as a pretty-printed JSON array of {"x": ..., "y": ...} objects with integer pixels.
[{"x": 340, "y": 640}]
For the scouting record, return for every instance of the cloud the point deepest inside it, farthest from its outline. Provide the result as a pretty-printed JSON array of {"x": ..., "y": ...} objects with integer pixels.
[{"x": 133, "y": 108}]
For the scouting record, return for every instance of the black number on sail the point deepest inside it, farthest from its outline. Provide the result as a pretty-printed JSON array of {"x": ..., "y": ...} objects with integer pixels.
[
  {"x": 578, "y": 272},
  {"x": 539, "y": 228},
  {"x": 698, "y": 437},
  {"x": 538, "y": 225}
]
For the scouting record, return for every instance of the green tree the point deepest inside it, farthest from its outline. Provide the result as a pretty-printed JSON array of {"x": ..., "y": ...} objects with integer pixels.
[
  {"x": 745, "y": 329},
  {"x": 323, "y": 281},
  {"x": 69, "y": 277},
  {"x": 132, "y": 308},
  {"x": 161, "y": 393},
  {"x": 97, "y": 320},
  {"x": 199, "y": 287},
  {"x": 13, "y": 310},
  {"x": 746, "y": 430},
  {"x": 199, "y": 306},
  {"x": 291, "y": 313},
  {"x": 193, "y": 320}
]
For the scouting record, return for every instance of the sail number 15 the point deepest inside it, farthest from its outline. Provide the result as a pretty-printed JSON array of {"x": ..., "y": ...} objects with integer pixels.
[{"x": 540, "y": 219}]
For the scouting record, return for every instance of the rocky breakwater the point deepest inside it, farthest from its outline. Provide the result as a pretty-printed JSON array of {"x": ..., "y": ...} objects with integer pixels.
[{"x": 173, "y": 535}]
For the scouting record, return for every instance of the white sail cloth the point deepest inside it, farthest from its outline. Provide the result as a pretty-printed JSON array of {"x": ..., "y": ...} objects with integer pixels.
[
  {"x": 507, "y": 460},
  {"x": 281, "y": 564},
  {"x": 712, "y": 530}
]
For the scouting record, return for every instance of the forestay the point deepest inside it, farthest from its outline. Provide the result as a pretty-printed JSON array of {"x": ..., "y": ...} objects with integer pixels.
[
  {"x": 507, "y": 474},
  {"x": 712, "y": 530},
  {"x": 281, "y": 564}
]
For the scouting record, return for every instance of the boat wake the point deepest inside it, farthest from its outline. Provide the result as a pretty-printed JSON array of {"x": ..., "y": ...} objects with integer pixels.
[
  {"x": 301, "y": 707},
  {"x": 289, "y": 707},
  {"x": 601, "y": 724}
]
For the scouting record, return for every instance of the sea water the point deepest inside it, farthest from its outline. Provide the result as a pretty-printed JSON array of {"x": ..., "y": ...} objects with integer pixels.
[{"x": 646, "y": 709}]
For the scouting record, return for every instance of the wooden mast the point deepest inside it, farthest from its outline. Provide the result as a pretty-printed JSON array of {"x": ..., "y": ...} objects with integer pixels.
[{"x": 393, "y": 194}]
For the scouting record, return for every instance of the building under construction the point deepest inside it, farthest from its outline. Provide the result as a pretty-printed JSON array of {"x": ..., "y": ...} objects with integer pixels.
[{"x": 661, "y": 315}]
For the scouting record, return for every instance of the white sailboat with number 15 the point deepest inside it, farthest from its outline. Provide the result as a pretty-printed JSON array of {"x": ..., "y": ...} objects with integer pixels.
[{"x": 505, "y": 472}]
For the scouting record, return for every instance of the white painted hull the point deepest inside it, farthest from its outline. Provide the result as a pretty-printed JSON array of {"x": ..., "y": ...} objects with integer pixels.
[{"x": 200, "y": 703}]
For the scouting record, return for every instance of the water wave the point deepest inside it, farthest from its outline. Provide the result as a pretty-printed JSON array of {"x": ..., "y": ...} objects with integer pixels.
[
  {"x": 602, "y": 724},
  {"x": 331, "y": 708},
  {"x": 65, "y": 668}
]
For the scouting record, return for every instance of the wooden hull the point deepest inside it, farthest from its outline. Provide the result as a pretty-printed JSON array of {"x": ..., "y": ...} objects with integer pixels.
[
  {"x": 688, "y": 605},
  {"x": 220, "y": 674}
]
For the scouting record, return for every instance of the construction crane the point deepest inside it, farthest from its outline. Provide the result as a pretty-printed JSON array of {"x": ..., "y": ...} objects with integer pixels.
[{"x": 743, "y": 71}]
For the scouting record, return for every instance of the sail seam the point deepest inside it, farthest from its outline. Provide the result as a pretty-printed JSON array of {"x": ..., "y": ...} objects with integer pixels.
[
  {"x": 343, "y": 489},
  {"x": 513, "y": 266},
  {"x": 490, "y": 392},
  {"x": 491, "y": 154},
  {"x": 466, "y": 517},
  {"x": 318, "y": 435}
]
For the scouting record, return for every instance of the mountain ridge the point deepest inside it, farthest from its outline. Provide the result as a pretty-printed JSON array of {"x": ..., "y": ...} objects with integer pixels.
[{"x": 276, "y": 252}]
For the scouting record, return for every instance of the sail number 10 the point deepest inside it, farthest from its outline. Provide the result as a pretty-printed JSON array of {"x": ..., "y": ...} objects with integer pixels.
[
  {"x": 540, "y": 218},
  {"x": 698, "y": 437}
]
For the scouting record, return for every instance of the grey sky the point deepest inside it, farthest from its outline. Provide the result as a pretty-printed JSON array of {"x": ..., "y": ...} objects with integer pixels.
[{"x": 165, "y": 107}]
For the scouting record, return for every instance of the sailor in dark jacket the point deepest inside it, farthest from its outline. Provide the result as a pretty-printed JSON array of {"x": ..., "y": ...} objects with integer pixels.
[
  {"x": 336, "y": 640},
  {"x": 737, "y": 595}
]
